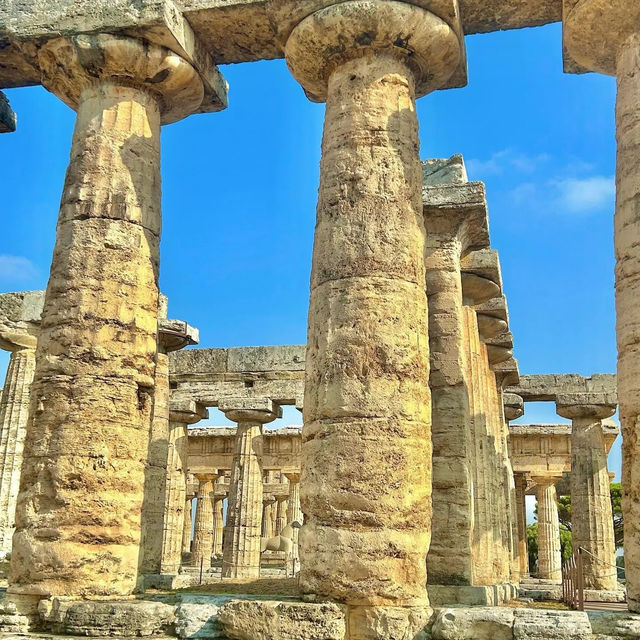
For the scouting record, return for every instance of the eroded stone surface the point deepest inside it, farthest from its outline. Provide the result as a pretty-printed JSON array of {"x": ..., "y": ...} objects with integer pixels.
[
  {"x": 481, "y": 623},
  {"x": 268, "y": 620}
]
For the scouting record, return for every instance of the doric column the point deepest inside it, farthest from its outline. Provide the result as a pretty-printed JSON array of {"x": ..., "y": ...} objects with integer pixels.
[
  {"x": 92, "y": 395},
  {"x": 203, "y": 526},
  {"x": 454, "y": 218},
  {"x": 181, "y": 414},
  {"x": 367, "y": 408},
  {"x": 294, "y": 511},
  {"x": 268, "y": 521},
  {"x": 521, "y": 513},
  {"x": 218, "y": 524},
  {"x": 549, "y": 557},
  {"x": 281, "y": 514},
  {"x": 591, "y": 512},
  {"x": 241, "y": 552},
  {"x": 14, "y": 413},
  {"x": 186, "y": 525},
  {"x": 605, "y": 37}
]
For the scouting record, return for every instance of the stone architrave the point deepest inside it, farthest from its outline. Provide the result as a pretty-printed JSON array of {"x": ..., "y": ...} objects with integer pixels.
[
  {"x": 549, "y": 556},
  {"x": 92, "y": 394},
  {"x": 605, "y": 37},
  {"x": 367, "y": 407},
  {"x": 203, "y": 525},
  {"x": 14, "y": 414},
  {"x": 591, "y": 511},
  {"x": 241, "y": 547},
  {"x": 180, "y": 414}
]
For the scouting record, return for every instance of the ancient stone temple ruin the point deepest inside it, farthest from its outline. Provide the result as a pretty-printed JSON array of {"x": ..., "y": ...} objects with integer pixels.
[{"x": 397, "y": 510}]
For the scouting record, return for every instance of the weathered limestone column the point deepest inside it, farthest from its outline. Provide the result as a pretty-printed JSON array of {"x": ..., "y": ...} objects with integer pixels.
[
  {"x": 186, "y": 525},
  {"x": 521, "y": 506},
  {"x": 455, "y": 218},
  {"x": 366, "y": 458},
  {"x": 294, "y": 511},
  {"x": 181, "y": 414},
  {"x": 203, "y": 525},
  {"x": 281, "y": 517},
  {"x": 241, "y": 552},
  {"x": 605, "y": 37},
  {"x": 81, "y": 491},
  {"x": 591, "y": 512},
  {"x": 218, "y": 524},
  {"x": 268, "y": 521},
  {"x": 549, "y": 557},
  {"x": 14, "y": 413}
]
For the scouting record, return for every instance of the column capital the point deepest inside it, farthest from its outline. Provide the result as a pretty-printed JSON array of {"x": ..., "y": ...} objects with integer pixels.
[
  {"x": 544, "y": 482},
  {"x": 293, "y": 478},
  {"x": 17, "y": 340},
  {"x": 507, "y": 372},
  {"x": 318, "y": 36},
  {"x": 594, "y": 32},
  {"x": 176, "y": 334},
  {"x": 69, "y": 65},
  {"x": 513, "y": 406},
  {"x": 187, "y": 411},
  {"x": 597, "y": 406},
  {"x": 481, "y": 277},
  {"x": 204, "y": 478},
  {"x": 262, "y": 410}
]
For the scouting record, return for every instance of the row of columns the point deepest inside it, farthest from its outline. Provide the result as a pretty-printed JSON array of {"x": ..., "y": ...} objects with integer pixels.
[
  {"x": 367, "y": 405},
  {"x": 591, "y": 510}
]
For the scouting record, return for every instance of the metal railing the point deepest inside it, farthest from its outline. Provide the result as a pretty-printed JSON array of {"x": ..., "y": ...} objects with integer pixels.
[{"x": 573, "y": 581}]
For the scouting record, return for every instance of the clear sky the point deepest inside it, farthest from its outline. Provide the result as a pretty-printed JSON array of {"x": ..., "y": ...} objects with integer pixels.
[{"x": 239, "y": 195}]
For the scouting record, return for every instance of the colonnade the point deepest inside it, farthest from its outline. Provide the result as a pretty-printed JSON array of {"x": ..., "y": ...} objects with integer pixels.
[{"x": 366, "y": 482}]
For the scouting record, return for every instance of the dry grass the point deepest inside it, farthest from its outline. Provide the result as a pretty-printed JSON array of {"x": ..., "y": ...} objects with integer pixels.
[{"x": 259, "y": 587}]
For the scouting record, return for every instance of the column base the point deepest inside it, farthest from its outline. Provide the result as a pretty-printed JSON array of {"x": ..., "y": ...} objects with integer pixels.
[
  {"x": 127, "y": 618},
  {"x": 486, "y": 596}
]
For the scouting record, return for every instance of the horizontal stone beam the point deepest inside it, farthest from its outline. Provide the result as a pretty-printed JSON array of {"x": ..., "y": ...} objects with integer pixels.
[
  {"x": 206, "y": 32},
  {"x": 547, "y": 387}
]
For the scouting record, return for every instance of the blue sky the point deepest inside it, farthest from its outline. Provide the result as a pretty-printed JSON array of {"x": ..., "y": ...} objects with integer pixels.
[{"x": 239, "y": 194}]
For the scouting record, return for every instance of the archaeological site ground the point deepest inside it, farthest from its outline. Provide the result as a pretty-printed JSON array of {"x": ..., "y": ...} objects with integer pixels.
[{"x": 398, "y": 510}]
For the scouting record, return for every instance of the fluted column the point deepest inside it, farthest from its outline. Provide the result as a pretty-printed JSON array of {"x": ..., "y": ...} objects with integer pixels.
[
  {"x": 591, "y": 511},
  {"x": 14, "y": 412},
  {"x": 448, "y": 230},
  {"x": 203, "y": 526},
  {"x": 521, "y": 512},
  {"x": 268, "y": 521},
  {"x": 294, "y": 511},
  {"x": 281, "y": 514},
  {"x": 549, "y": 557},
  {"x": 218, "y": 524},
  {"x": 241, "y": 552},
  {"x": 186, "y": 525},
  {"x": 605, "y": 37},
  {"x": 367, "y": 419},
  {"x": 180, "y": 414},
  {"x": 86, "y": 450}
]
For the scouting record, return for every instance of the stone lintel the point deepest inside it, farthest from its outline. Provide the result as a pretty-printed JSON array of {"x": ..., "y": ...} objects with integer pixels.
[
  {"x": 609, "y": 428},
  {"x": 271, "y": 491},
  {"x": 187, "y": 411},
  {"x": 28, "y": 26},
  {"x": 546, "y": 387},
  {"x": 8, "y": 118},
  {"x": 221, "y": 432},
  {"x": 230, "y": 30},
  {"x": 586, "y": 405},
  {"x": 20, "y": 313},
  {"x": 176, "y": 334},
  {"x": 439, "y": 171}
]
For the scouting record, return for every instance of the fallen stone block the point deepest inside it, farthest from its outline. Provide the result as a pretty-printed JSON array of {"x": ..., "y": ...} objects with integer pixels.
[
  {"x": 547, "y": 624},
  {"x": 271, "y": 620},
  {"x": 481, "y": 623}
]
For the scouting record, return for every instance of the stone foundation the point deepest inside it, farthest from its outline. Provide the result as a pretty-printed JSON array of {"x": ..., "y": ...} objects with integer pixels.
[{"x": 487, "y": 596}]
